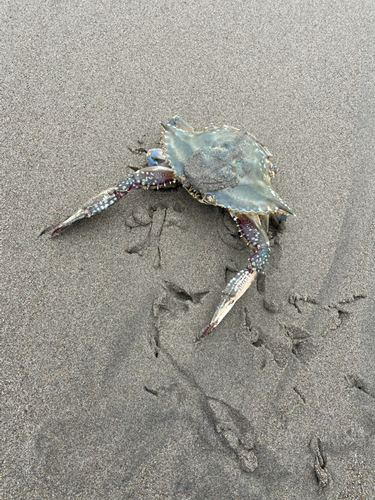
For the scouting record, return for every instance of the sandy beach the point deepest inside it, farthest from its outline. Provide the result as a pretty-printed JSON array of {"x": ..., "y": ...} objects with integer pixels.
[{"x": 106, "y": 394}]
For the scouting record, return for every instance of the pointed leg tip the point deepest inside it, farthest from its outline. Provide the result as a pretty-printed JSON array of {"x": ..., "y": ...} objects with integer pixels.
[
  {"x": 208, "y": 330},
  {"x": 205, "y": 332},
  {"x": 55, "y": 231}
]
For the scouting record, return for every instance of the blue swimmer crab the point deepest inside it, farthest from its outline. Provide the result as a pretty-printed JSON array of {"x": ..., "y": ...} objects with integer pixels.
[{"x": 221, "y": 166}]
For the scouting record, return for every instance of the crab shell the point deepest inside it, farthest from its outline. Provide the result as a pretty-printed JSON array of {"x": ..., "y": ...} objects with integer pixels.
[{"x": 223, "y": 166}]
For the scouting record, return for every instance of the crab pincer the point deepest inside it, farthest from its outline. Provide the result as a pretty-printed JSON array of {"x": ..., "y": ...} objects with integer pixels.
[
  {"x": 147, "y": 178},
  {"x": 235, "y": 288}
]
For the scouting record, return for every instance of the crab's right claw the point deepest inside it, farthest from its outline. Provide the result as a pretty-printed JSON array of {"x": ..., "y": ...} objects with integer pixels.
[
  {"x": 151, "y": 177},
  {"x": 102, "y": 201},
  {"x": 80, "y": 214},
  {"x": 236, "y": 287}
]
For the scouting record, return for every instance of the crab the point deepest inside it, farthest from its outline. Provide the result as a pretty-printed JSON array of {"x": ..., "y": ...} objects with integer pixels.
[{"x": 221, "y": 166}]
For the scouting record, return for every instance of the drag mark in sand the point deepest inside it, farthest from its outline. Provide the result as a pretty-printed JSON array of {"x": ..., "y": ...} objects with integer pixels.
[
  {"x": 320, "y": 464},
  {"x": 237, "y": 433},
  {"x": 358, "y": 383},
  {"x": 229, "y": 431}
]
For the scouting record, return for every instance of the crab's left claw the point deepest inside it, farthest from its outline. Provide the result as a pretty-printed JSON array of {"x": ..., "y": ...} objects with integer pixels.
[{"x": 236, "y": 287}]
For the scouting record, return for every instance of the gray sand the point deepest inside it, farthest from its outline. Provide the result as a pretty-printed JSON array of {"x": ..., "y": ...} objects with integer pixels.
[{"x": 106, "y": 395}]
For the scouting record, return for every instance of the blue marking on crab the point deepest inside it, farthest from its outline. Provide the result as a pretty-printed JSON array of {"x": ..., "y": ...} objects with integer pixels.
[
  {"x": 151, "y": 161},
  {"x": 155, "y": 157},
  {"x": 221, "y": 166}
]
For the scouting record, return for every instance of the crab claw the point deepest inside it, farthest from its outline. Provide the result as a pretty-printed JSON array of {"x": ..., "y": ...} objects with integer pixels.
[
  {"x": 152, "y": 177},
  {"x": 80, "y": 214},
  {"x": 95, "y": 205},
  {"x": 236, "y": 287}
]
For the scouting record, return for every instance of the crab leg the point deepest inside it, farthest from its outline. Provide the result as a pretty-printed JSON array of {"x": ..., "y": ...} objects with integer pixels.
[
  {"x": 236, "y": 287},
  {"x": 254, "y": 235},
  {"x": 146, "y": 178},
  {"x": 250, "y": 228}
]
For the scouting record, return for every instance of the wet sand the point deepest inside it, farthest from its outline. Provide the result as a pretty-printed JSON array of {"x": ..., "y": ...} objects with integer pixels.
[{"x": 106, "y": 393}]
